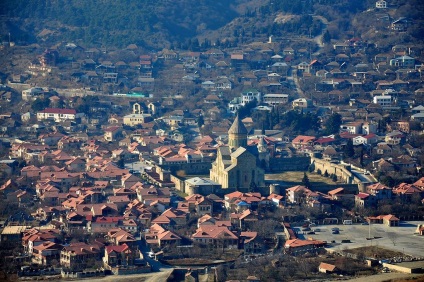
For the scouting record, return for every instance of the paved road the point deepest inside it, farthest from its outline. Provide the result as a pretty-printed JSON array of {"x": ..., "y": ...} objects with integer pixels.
[
  {"x": 403, "y": 236},
  {"x": 364, "y": 178},
  {"x": 318, "y": 38}
]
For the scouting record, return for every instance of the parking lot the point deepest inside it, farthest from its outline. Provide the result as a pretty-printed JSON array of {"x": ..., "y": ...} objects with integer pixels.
[{"x": 401, "y": 239}]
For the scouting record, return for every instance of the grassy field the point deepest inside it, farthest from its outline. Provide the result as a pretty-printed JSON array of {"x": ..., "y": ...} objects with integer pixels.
[{"x": 296, "y": 177}]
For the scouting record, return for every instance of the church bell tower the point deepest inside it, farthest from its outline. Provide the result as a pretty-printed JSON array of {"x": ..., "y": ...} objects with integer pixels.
[{"x": 237, "y": 135}]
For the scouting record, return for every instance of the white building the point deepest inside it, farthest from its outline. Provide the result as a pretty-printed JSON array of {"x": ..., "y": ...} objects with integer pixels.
[
  {"x": 302, "y": 103},
  {"x": 249, "y": 96},
  {"x": 383, "y": 100},
  {"x": 276, "y": 99},
  {"x": 351, "y": 127},
  {"x": 58, "y": 114},
  {"x": 381, "y": 4}
]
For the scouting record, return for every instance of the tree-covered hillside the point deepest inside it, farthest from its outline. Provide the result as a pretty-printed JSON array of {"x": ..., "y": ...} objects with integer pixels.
[
  {"x": 118, "y": 23},
  {"x": 188, "y": 24}
]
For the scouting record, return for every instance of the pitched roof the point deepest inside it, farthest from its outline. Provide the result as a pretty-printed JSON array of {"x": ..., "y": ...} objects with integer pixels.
[
  {"x": 237, "y": 127},
  {"x": 327, "y": 266}
]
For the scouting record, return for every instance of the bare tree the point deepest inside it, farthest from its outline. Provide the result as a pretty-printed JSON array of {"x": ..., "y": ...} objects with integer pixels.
[
  {"x": 220, "y": 273},
  {"x": 393, "y": 237},
  {"x": 304, "y": 266}
]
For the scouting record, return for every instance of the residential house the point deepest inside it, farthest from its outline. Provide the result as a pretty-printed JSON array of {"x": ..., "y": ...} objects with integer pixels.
[
  {"x": 381, "y": 4},
  {"x": 297, "y": 194},
  {"x": 238, "y": 201},
  {"x": 58, "y": 115},
  {"x": 160, "y": 237},
  {"x": 245, "y": 219},
  {"x": 340, "y": 194},
  {"x": 46, "y": 252},
  {"x": 326, "y": 267},
  {"x": 379, "y": 191},
  {"x": 383, "y": 165},
  {"x": 403, "y": 62},
  {"x": 364, "y": 200},
  {"x": 112, "y": 133},
  {"x": 276, "y": 99},
  {"x": 121, "y": 255},
  {"x": 365, "y": 140},
  {"x": 302, "y": 141},
  {"x": 315, "y": 66},
  {"x": 120, "y": 236},
  {"x": 406, "y": 192},
  {"x": 394, "y": 138},
  {"x": 76, "y": 256},
  {"x": 250, "y": 95},
  {"x": 214, "y": 236},
  {"x": 277, "y": 200},
  {"x": 200, "y": 204},
  {"x": 302, "y": 103},
  {"x": 383, "y": 100},
  {"x": 251, "y": 243}
]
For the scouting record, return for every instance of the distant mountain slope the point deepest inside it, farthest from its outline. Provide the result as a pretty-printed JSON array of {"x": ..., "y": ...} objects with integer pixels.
[
  {"x": 118, "y": 23},
  {"x": 188, "y": 24}
]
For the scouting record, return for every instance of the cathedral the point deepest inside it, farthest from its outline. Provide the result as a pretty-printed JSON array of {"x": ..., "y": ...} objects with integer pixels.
[{"x": 236, "y": 165}]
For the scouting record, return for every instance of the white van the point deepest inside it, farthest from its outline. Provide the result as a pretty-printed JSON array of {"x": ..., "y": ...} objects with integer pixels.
[{"x": 347, "y": 222}]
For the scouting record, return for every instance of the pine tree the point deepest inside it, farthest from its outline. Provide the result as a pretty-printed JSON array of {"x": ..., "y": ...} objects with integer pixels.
[
  {"x": 326, "y": 38},
  {"x": 349, "y": 150},
  {"x": 305, "y": 180}
]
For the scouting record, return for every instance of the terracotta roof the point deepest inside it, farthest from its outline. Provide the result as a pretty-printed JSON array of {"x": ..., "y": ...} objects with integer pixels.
[
  {"x": 118, "y": 249},
  {"x": 327, "y": 266},
  {"x": 295, "y": 243}
]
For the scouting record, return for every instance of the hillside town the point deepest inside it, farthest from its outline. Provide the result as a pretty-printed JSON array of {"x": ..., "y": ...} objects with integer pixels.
[{"x": 206, "y": 163}]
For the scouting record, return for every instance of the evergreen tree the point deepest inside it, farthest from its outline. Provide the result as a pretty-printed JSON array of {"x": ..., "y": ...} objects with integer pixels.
[
  {"x": 311, "y": 168},
  {"x": 332, "y": 125},
  {"x": 200, "y": 121},
  {"x": 40, "y": 104},
  {"x": 326, "y": 38},
  {"x": 305, "y": 180},
  {"x": 349, "y": 151}
]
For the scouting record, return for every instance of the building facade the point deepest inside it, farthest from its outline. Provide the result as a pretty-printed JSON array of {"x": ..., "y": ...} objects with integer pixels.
[{"x": 235, "y": 167}]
